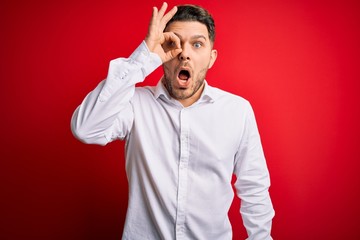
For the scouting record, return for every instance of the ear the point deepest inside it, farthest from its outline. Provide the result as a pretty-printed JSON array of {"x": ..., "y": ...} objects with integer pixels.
[{"x": 213, "y": 56}]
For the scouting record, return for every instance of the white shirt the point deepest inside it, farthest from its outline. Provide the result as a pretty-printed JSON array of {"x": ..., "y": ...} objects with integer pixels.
[{"x": 179, "y": 160}]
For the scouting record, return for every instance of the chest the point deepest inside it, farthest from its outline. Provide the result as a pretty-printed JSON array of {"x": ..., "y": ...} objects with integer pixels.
[{"x": 206, "y": 132}]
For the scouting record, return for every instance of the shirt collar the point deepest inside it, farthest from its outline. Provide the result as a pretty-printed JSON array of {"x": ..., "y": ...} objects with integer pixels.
[{"x": 208, "y": 94}]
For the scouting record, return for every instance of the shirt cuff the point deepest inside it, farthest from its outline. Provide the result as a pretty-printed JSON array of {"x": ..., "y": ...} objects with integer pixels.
[{"x": 148, "y": 60}]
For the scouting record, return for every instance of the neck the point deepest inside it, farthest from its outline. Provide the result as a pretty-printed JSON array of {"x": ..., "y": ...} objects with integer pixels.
[{"x": 191, "y": 100}]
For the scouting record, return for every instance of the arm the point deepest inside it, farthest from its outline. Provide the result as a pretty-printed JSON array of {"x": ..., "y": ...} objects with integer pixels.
[
  {"x": 106, "y": 113},
  {"x": 253, "y": 182}
]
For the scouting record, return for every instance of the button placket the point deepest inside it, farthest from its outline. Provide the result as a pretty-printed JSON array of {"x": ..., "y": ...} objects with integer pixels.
[{"x": 183, "y": 173}]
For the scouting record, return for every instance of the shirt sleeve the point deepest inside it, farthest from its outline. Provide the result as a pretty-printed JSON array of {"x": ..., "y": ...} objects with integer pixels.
[
  {"x": 253, "y": 182},
  {"x": 106, "y": 113}
]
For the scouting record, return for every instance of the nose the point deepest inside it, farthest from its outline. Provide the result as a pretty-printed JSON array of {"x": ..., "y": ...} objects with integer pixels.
[{"x": 185, "y": 54}]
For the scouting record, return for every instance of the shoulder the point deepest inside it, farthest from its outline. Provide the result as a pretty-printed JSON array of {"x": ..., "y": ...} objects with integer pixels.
[
  {"x": 143, "y": 94},
  {"x": 226, "y": 98},
  {"x": 145, "y": 91}
]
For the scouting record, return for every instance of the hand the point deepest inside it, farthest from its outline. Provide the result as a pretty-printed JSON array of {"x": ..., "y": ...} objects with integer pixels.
[{"x": 165, "y": 44}]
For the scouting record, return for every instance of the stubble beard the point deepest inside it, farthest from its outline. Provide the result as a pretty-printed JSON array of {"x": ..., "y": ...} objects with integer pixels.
[{"x": 182, "y": 94}]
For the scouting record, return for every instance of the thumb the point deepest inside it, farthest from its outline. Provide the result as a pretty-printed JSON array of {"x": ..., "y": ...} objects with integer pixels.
[
  {"x": 176, "y": 52},
  {"x": 172, "y": 54}
]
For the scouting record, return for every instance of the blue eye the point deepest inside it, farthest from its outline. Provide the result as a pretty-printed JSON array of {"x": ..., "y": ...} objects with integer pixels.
[{"x": 197, "y": 44}]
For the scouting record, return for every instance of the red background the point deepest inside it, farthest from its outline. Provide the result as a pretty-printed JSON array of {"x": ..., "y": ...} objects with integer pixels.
[{"x": 297, "y": 62}]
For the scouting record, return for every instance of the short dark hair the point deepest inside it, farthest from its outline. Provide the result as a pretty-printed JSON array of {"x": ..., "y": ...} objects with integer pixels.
[{"x": 196, "y": 13}]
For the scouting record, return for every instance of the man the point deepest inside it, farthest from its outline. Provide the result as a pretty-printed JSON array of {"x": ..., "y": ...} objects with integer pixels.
[{"x": 184, "y": 138}]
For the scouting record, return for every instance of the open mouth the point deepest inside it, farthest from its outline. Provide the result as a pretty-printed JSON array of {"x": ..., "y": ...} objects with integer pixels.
[{"x": 184, "y": 75}]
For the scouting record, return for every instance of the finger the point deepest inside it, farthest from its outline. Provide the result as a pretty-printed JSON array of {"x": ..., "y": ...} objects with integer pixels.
[
  {"x": 177, "y": 42},
  {"x": 171, "y": 37},
  {"x": 153, "y": 19},
  {"x": 163, "y": 9},
  {"x": 168, "y": 15},
  {"x": 155, "y": 12},
  {"x": 171, "y": 54},
  {"x": 175, "y": 52}
]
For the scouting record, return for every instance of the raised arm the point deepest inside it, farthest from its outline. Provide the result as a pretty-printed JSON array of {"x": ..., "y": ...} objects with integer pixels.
[{"x": 106, "y": 114}]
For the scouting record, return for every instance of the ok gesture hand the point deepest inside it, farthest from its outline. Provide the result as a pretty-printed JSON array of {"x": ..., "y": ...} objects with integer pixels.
[{"x": 165, "y": 44}]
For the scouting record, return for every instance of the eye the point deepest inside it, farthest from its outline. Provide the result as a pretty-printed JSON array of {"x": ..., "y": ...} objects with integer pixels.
[
  {"x": 198, "y": 45},
  {"x": 171, "y": 44}
]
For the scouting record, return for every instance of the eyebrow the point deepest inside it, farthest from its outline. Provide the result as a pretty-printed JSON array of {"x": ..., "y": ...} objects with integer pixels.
[{"x": 192, "y": 37}]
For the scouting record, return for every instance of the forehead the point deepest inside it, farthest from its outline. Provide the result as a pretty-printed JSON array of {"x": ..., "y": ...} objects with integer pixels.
[{"x": 188, "y": 28}]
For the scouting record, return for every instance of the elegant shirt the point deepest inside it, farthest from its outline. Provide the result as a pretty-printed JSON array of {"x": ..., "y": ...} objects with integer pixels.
[{"x": 179, "y": 160}]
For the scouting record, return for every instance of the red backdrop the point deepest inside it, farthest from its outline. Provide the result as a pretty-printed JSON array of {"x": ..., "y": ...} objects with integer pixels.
[{"x": 297, "y": 62}]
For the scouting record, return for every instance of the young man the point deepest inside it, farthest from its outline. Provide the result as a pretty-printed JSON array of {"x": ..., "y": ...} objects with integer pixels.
[{"x": 184, "y": 138}]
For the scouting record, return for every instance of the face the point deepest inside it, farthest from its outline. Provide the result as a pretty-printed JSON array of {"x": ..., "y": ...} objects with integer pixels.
[{"x": 184, "y": 75}]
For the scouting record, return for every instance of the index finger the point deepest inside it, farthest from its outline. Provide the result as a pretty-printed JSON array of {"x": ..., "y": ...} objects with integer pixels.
[{"x": 171, "y": 37}]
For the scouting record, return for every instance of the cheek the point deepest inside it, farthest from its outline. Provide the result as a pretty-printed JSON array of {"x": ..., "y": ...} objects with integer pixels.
[
  {"x": 166, "y": 69},
  {"x": 206, "y": 59},
  {"x": 169, "y": 67},
  {"x": 203, "y": 63}
]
